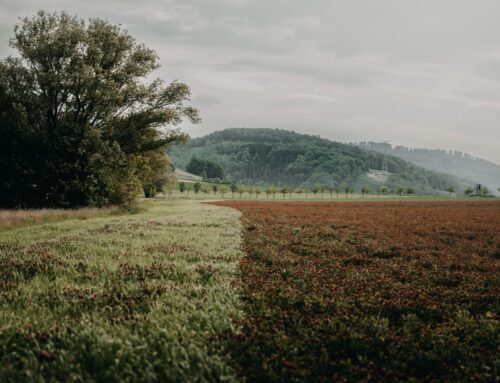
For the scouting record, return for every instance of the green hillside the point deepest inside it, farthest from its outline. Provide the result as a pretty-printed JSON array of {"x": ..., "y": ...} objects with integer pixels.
[
  {"x": 280, "y": 157},
  {"x": 456, "y": 163}
]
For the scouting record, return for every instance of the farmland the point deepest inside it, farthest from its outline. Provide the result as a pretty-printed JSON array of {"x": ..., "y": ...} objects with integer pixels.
[
  {"x": 392, "y": 291},
  {"x": 235, "y": 290}
]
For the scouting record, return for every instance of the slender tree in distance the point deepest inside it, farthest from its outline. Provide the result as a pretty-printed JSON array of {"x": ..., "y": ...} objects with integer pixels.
[
  {"x": 234, "y": 189},
  {"x": 205, "y": 190},
  {"x": 383, "y": 190},
  {"x": 364, "y": 191},
  {"x": 223, "y": 191},
  {"x": 274, "y": 190},
  {"x": 316, "y": 189},
  {"x": 182, "y": 188},
  {"x": 284, "y": 191},
  {"x": 346, "y": 191},
  {"x": 196, "y": 188},
  {"x": 268, "y": 191},
  {"x": 337, "y": 191},
  {"x": 258, "y": 191}
]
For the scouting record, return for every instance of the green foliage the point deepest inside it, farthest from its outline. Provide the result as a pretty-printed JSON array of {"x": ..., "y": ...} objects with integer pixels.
[
  {"x": 258, "y": 191},
  {"x": 346, "y": 190},
  {"x": 468, "y": 191},
  {"x": 223, "y": 190},
  {"x": 182, "y": 187},
  {"x": 205, "y": 189},
  {"x": 155, "y": 172},
  {"x": 241, "y": 190},
  {"x": 273, "y": 156},
  {"x": 78, "y": 122},
  {"x": 196, "y": 187},
  {"x": 205, "y": 168},
  {"x": 234, "y": 188}
]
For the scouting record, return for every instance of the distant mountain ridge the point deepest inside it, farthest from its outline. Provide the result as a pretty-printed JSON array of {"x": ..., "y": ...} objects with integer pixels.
[
  {"x": 281, "y": 157},
  {"x": 455, "y": 163}
]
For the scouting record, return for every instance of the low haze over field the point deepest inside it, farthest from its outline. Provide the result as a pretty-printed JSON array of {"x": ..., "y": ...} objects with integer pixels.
[{"x": 418, "y": 73}]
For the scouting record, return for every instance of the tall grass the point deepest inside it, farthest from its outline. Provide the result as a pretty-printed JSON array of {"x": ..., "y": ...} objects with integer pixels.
[{"x": 16, "y": 218}]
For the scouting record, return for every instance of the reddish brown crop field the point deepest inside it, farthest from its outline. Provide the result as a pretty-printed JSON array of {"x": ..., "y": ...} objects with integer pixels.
[{"x": 380, "y": 291}]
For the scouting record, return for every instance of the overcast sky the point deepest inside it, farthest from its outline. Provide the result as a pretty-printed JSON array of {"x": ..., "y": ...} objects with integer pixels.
[{"x": 422, "y": 73}]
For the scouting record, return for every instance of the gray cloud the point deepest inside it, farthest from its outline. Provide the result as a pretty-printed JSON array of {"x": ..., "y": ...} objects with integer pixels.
[
  {"x": 205, "y": 100},
  {"x": 419, "y": 73}
]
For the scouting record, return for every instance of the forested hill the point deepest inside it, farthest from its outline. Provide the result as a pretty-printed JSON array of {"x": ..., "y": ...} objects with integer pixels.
[
  {"x": 455, "y": 163},
  {"x": 280, "y": 157}
]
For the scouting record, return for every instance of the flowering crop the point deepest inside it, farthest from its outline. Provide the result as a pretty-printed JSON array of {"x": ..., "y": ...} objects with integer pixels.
[{"x": 385, "y": 291}]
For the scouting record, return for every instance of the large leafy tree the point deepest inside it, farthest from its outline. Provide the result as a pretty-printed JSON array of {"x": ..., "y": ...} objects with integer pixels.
[{"x": 78, "y": 122}]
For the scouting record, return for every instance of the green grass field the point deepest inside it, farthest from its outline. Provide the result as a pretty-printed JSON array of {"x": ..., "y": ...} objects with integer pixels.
[{"x": 133, "y": 297}]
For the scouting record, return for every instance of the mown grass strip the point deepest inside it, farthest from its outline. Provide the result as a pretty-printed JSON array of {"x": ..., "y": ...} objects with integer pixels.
[{"x": 141, "y": 297}]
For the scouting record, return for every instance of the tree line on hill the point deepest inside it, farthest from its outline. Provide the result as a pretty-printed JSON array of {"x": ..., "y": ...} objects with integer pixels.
[
  {"x": 79, "y": 124},
  {"x": 280, "y": 157},
  {"x": 456, "y": 163}
]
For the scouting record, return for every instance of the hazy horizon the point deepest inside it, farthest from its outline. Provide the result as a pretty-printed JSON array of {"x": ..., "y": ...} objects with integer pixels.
[{"x": 419, "y": 74}]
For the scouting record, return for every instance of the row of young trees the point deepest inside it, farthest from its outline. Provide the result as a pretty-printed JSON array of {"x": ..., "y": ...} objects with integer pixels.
[
  {"x": 317, "y": 190},
  {"x": 79, "y": 123},
  {"x": 484, "y": 191},
  {"x": 272, "y": 191}
]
